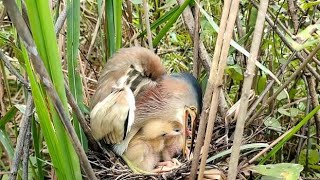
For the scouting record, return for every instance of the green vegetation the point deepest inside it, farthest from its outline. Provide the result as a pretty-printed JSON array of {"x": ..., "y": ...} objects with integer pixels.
[{"x": 94, "y": 30}]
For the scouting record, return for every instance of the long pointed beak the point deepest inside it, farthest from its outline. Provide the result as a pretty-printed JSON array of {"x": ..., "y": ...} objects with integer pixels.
[{"x": 187, "y": 132}]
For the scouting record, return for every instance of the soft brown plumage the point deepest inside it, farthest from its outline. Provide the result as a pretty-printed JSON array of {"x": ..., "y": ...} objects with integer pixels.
[
  {"x": 123, "y": 77},
  {"x": 135, "y": 98}
]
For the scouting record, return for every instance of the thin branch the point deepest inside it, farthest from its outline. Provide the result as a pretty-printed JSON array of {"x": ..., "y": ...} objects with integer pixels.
[
  {"x": 21, "y": 138},
  {"x": 247, "y": 83},
  {"x": 196, "y": 41},
  {"x": 26, "y": 147},
  {"x": 283, "y": 38},
  {"x": 95, "y": 32},
  {"x": 38, "y": 65},
  {"x": 269, "y": 86},
  {"x": 209, "y": 90},
  {"x": 60, "y": 21},
  {"x": 149, "y": 34},
  {"x": 94, "y": 144},
  {"x": 218, "y": 77},
  {"x": 275, "y": 142},
  {"x": 189, "y": 21},
  {"x": 13, "y": 70},
  {"x": 294, "y": 16},
  {"x": 71, "y": 101},
  {"x": 314, "y": 102},
  {"x": 285, "y": 84}
]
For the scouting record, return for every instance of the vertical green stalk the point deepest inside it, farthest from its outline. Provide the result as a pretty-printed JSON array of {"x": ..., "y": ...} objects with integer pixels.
[
  {"x": 63, "y": 155},
  {"x": 73, "y": 34},
  {"x": 171, "y": 21},
  {"x": 37, "y": 143},
  {"x": 110, "y": 34},
  {"x": 113, "y": 11},
  {"x": 117, "y": 19},
  {"x": 293, "y": 130}
]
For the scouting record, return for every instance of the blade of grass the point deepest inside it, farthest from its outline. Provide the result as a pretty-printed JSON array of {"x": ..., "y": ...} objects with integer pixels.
[
  {"x": 6, "y": 82},
  {"x": 117, "y": 5},
  {"x": 75, "y": 83},
  {"x": 290, "y": 134},
  {"x": 8, "y": 116},
  {"x": 160, "y": 21},
  {"x": 45, "y": 120},
  {"x": 5, "y": 141},
  {"x": 43, "y": 32},
  {"x": 110, "y": 34},
  {"x": 37, "y": 144},
  {"x": 239, "y": 47},
  {"x": 169, "y": 24},
  {"x": 255, "y": 146}
]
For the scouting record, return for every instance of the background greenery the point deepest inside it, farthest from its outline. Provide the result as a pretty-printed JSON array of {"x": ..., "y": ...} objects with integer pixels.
[{"x": 94, "y": 30}]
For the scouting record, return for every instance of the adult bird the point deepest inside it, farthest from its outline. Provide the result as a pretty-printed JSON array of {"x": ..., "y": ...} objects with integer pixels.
[{"x": 134, "y": 90}]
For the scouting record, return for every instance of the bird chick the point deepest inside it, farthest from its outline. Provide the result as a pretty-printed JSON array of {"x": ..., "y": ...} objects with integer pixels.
[
  {"x": 172, "y": 147},
  {"x": 146, "y": 147}
]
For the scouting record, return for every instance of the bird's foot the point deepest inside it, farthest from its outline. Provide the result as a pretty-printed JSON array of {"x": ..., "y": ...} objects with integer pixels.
[{"x": 167, "y": 166}]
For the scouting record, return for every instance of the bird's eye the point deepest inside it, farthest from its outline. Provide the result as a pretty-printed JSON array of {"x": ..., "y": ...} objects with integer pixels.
[
  {"x": 193, "y": 108},
  {"x": 177, "y": 130}
]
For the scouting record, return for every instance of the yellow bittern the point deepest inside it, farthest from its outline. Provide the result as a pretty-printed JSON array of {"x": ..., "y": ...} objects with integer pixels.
[{"x": 142, "y": 111}]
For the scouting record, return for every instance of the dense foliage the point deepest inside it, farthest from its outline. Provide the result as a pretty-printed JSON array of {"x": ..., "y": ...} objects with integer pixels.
[{"x": 76, "y": 50}]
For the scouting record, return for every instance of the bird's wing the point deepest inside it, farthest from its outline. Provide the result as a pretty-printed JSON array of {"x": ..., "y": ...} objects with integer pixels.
[{"x": 113, "y": 117}]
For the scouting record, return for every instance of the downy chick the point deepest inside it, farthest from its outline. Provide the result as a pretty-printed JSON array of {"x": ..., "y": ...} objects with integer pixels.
[{"x": 146, "y": 147}]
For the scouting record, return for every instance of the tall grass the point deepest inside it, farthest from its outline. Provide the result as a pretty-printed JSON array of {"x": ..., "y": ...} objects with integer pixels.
[
  {"x": 64, "y": 158},
  {"x": 73, "y": 35}
]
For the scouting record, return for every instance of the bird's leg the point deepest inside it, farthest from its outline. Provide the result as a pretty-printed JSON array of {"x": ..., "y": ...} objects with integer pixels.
[{"x": 134, "y": 168}]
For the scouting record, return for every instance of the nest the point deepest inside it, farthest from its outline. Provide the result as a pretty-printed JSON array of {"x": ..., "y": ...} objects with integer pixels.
[
  {"x": 111, "y": 166},
  {"x": 115, "y": 168}
]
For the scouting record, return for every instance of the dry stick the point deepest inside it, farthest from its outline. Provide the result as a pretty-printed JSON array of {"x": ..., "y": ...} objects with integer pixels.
[
  {"x": 94, "y": 144},
  {"x": 219, "y": 79},
  {"x": 95, "y": 33},
  {"x": 26, "y": 147},
  {"x": 60, "y": 21},
  {"x": 269, "y": 86},
  {"x": 73, "y": 104},
  {"x": 209, "y": 90},
  {"x": 315, "y": 103},
  {"x": 314, "y": 58},
  {"x": 272, "y": 24},
  {"x": 283, "y": 27},
  {"x": 10, "y": 67},
  {"x": 38, "y": 65},
  {"x": 289, "y": 80},
  {"x": 294, "y": 15},
  {"x": 283, "y": 38},
  {"x": 306, "y": 127},
  {"x": 247, "y": 83},
  {"x": 269, "y": 147},
  {"x": 196, "y": 41},
  {"x": 21, "y": 138},
  {"x": 146, "y": 12},
  {"x": 189, "y": 21}
]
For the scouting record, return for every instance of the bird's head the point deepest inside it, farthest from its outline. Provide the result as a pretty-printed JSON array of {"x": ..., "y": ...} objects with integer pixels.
[
  {"x": 161, "y": 129},
  {"x": 144, "y": 61}
]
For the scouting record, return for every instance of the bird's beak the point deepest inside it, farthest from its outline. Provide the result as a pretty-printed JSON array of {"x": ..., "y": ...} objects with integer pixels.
[{"x": 190, "y": 117}]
